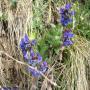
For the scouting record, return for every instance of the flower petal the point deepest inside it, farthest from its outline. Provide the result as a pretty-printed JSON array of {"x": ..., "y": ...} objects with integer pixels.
[
  {"x": 67, "y": 42},
  {"x": 33, "y": 42},
  {"x": 68, "y": 6},
  {"x": 68, "y": 34},
  {"x": 26, "y": 39},
  {"x": 72, "y": 12}
]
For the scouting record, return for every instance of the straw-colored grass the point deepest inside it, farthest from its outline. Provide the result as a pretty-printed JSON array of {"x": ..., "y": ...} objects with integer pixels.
[
  {"x": 70, "y": 74},
  {"x": 75, "y": 75}
]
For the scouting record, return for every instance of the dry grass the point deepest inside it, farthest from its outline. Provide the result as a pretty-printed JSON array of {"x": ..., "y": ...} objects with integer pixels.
[
  {"x": 19, "y": 21},
  {"x": 73, "y": 73}
]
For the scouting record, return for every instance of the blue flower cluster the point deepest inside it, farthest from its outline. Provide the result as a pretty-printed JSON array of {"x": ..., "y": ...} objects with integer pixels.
[
  {"x": 67, "y": 35},
  {"x": 9, "y": 88},
  {"x": 66, "y": 14},
  {"x": 32, "y": 58},
  {"x": 26, "y": 45},
  {"x": 41, "y": 69},
  {"x": 66, "y": 18}
]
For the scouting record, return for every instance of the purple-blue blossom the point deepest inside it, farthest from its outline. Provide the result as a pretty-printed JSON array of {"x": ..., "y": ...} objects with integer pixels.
[
  {"x": 66, "y": 14},
  {"x": 37, "y": 72},
  {"x": 24, "y": 41},
  {"x": 9, "y": 88},
  {"x": 26, "y": 45},
  {"x": 67, "y": 36},
  {"x": 44, "y": 67},
  {"x": 36, "y": 59},
  {"x": 67, "y": 42},
  {"x": 33, "y": 59},
  {"x": 68, "y": 6},
  {"x": 33, "y": 42}
]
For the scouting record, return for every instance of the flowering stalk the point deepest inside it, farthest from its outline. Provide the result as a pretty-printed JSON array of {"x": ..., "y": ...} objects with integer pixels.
[
  {"x": 32, "y": 58},
  {"x": 66, "y": 19}
]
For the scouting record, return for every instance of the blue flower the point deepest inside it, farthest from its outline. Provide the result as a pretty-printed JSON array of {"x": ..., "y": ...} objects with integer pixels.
[
  {"x": 35, "y": 73},
  {"x": 44, "y": 67},
  {"x": 66, "y": 15},
  {"x": 24, "y": 41},
  {"x": 68, "y": 34},
  {"x": 68, "y": 6},
  {"x": 67, "y": 42},
  {"x": 6, "y": 88},
  {"x": 72, "y": 12},
  {"x": 32, "y": 54},
  {"x": 33, "y": 42},
  {"x": 65, "y": 21},
  {"x": 61, "y": 10},
  {"x": 35, "y": 59},
  {"x": 26, "y": 56},
  {"x": 26, "y": 45},
  {"x": 22, "y": 44},
  {"x": 39, "y": 57}
]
